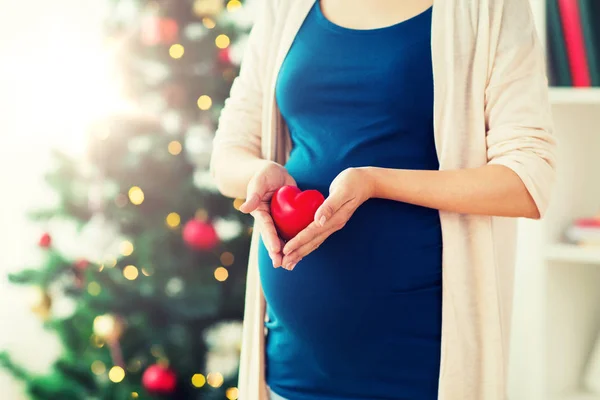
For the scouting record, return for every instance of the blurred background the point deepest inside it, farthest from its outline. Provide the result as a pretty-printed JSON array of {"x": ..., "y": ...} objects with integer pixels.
[{"x": 122, "y": 270}]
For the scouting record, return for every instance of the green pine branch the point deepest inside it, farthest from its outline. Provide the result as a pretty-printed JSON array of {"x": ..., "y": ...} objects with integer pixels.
[{"x": 17, "y": 371}]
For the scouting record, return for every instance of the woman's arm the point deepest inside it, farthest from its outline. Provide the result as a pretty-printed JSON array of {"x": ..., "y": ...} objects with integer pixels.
[
  {"x": 236, "y": 154},
  {"x": 489, "y": 190},
  {"x": 233, "y": 168},
  {"x": 519, "y": 176}
]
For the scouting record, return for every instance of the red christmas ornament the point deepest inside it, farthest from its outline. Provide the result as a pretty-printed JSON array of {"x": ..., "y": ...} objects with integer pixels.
[
  {"x": 293, "y": 210},
  {"x": 156, "y": 30},
  {"x": 225, "y": 56},
  {"x": 45, "y": 241},
  {"x": 82, "y": 264},
  {"x": 158, "y": 379},
  {"x": 200, "y": 235}
]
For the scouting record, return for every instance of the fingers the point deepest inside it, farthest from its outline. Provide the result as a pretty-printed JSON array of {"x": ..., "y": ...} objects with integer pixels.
[
  {"x": 268, "y": 231},
  {"x": 305, "y": 236},
  {"x": 336, "y": 200},
  {"x": 277, "y": 258},
  {"x": 271, "y": 239},
  {"x": 290, "y": 260},
  {"x": 311, "y": 238}
]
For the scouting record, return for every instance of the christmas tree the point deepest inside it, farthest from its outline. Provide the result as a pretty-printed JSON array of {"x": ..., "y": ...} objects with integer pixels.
[{"x": 154, "y": 308}]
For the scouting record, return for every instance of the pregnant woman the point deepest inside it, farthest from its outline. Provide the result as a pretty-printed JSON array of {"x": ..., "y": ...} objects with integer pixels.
[{"x": 400, "y": 288}]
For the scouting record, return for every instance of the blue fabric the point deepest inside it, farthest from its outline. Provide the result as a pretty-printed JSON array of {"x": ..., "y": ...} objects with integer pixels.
[
  {"x": 359, "y": 318},
  {"x": 275, "y": 396}
]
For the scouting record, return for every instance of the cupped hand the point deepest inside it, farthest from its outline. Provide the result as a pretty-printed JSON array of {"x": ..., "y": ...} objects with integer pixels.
[
  {"x": 351, "y": 188},
  {"x": 265, "y": 182}
]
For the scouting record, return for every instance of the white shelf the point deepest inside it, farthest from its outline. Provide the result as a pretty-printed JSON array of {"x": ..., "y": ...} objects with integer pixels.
[
  {"x": 574, "y": 254},
  {"x": 575, "y": 95},
  {"x": 579, "y": 396}
]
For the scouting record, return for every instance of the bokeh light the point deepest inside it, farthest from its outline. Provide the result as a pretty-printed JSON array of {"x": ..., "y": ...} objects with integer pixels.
[
  {"x": 173, "y": 220},
  {"x": 130, "y": 272},
  {"x": 222, "y": 41},
  {"x": 233, "y": 5},
  {"x": 126, "y": 248},
  {"x": 208, "y": 23},
  {"x": 136, "y": 195},
  {"x": 204, "y": 102},
  {"x": 175, "y": 147},
  {"x": 227, "y": 258},
  {"x": 215, "y": 379},
  {"x": 176, "y": 51},
  {"x": 198, "y": 380},
  {"x": 116, "y": 374},
  {"x": 94, "y": 288},
  {"x": 232, "y": 393},
  {"x": 221, "y": 274},
  {"x": 98, "y": 367}
]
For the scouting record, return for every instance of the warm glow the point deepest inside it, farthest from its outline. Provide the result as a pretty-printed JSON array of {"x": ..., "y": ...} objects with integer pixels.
[
  {"x": 59, "y": 82},
  {"x": 237, "y": 203},
  {"x": 176, "y": 51},
  {"x": 94, "y": 288},
  {"x": 227, "y": 258},
  {"x": 201, "y": 214},
  {"x": 221, "y": 274},
  {"x": 232, "y": 393},
  {"x": 146, "y": 271},
  {"x": 209, "y": 23},
  {"x": 105, "y": 325},
  {"x": 116, "y": 374},
  {"x": 97, "y": 341},
  {"x": 136, "y": 195},
  {"x": 175, "y": 147},
  {"x": 134, "y": 395},
  {"x": 173, "y": 220},
  {"x": 126, "y": 248},
  {"x": 222, "y": 41},
  {"x": 198, "y": 380},
  {"x": 233, "y": 5},
  {"x": 130, "y": 272},
  {"x": 215, "y": 379},
  {"x": 98, "y": 367},
  {"x": 204, "y": 102}
]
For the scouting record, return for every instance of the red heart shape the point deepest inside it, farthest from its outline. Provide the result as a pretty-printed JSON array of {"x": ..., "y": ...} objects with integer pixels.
[{"x": 293, "y": 210}]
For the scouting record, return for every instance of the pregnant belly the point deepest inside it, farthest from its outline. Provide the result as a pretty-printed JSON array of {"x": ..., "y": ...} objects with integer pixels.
[{"x": 385, "y": 262}]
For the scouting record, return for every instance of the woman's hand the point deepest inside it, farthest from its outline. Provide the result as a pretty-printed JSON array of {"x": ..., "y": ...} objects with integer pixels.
[
  {"x": 351, "y": 188},
  {"x": 263, "y": 184}
]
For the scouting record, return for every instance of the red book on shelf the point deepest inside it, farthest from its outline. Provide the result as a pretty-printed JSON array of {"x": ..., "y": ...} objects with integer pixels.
[
  {"x": 588, "y": 223},
  {"x": 575, "y": 42}
]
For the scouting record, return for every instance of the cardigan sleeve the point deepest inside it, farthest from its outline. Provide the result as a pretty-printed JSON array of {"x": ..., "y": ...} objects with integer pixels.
[
  {"x": 239, "y": 123},
  {"x": 517, "y": 107}
]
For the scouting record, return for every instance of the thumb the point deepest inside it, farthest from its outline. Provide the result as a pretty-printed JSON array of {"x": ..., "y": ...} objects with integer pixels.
[
  {"x": 250, "y": 204},
  {"x": 329, "y": 207},
  {"x": 255, "y": 192}
]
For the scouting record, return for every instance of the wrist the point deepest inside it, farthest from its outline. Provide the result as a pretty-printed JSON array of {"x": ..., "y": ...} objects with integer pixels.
[{"x": 368, "y": 178}]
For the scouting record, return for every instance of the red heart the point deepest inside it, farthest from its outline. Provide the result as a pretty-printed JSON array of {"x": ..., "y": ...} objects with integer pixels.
[{"x": 293, "y": 210}]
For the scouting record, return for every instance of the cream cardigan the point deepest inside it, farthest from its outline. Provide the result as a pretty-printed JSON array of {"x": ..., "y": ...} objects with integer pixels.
[{"x": 491, "y": 107}]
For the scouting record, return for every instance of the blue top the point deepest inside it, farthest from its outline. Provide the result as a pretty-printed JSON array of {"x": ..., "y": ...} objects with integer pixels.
[{"x": 359, "y": 318}]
